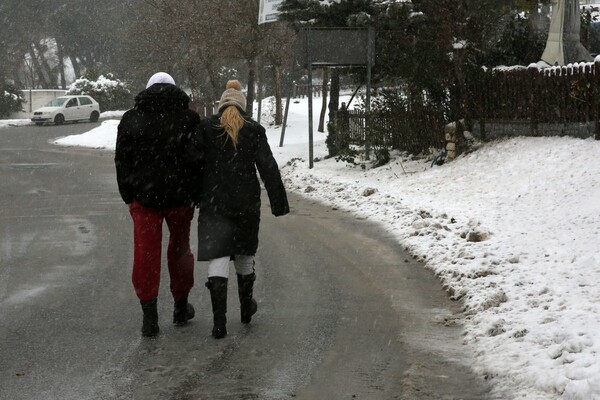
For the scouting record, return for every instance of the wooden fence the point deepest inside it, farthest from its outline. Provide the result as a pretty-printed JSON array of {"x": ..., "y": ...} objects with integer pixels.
[
  {"x": 300, "y": 90},
  {"x": 556, "y": 95},
  {"x": 203, "y": 107},
  {"x": 414, "y": 130},
  {"x": 524, "y": 101}
]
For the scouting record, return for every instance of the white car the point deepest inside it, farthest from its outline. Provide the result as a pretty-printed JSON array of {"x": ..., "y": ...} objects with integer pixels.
[{"x": 67, "y": 108}]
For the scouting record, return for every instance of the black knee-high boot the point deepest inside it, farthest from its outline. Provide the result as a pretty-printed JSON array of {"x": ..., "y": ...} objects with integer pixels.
[
  {"x": 218, "y": 296},
  {"x": 248, "y": 305},
  {"x": 150, "y": 323},
  {"x": 182, "y": 312}
]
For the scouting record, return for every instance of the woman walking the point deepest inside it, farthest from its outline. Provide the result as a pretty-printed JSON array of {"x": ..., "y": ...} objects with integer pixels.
[{"x": 233, "y": 147}]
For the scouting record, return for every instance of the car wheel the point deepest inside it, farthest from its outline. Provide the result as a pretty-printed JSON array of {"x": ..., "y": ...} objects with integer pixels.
[
  {"x": 59, "y": 119},
  {"x": 94, "y": 116}
]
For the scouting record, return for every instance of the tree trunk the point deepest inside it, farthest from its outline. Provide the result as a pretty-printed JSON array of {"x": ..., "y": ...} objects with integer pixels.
[
  {"x": 24, "y": 80},
  {"x": 38, "y": 70},
  {"x": 191, "y": 76},
  {"x": 46, "y": 70},
  {"x": 278, "y": 102},
  {"x": 213, "y": 80},
  {"x": 61, "y": 65},
  {"x": 251, "y": 86},
  {"x": 321, "y": 127},
  {"x": 76, "y": 67},
  {"x": 334, "y": 98}
]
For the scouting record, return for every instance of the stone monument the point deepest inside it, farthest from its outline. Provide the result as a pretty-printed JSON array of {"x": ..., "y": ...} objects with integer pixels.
[{"x": 563, "y": 45}]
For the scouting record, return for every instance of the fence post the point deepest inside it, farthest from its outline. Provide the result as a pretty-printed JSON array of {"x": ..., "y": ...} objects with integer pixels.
[
  {"x": 597, "y": 97},
  {"x": 483, "y": 100},
  {"x": 532, "y": 75}
]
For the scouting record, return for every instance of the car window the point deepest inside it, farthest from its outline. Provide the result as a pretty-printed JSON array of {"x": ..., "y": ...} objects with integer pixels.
[
  {"x": 84, "y": 101},
  {"x": 57, "y": 102},
  {"x": 72, "y": 102}
]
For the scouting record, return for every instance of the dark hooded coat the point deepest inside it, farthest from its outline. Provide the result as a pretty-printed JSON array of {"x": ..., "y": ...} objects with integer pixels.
[
  {"x": 229, "y": 216},
  {"x": 152, "y": 140}
]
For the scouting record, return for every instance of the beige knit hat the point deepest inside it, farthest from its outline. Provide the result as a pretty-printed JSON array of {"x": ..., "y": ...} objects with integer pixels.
[{"x": 233, "y": 96}]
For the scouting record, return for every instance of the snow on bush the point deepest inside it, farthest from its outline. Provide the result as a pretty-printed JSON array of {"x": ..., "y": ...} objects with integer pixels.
[
  {"x": 11, "y": 100},
  {"x": 111, "y": 93}
]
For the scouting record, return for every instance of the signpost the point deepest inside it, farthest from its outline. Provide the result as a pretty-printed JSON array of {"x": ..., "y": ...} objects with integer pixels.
[
  {"x": 324, "y": 47},
  {"x": 332, "y": 47}
]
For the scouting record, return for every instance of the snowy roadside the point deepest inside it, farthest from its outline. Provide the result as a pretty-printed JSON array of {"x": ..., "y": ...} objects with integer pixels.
[
  {"x": 6, "y": 123},
  {"x": 531, "y": 309},
  {"x": 511, "y": 230}
]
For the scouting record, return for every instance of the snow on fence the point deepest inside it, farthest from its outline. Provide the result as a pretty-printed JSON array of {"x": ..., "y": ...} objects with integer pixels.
[
  {"x": 516, "y": 101},
  {"x": 534, "y": 101}
]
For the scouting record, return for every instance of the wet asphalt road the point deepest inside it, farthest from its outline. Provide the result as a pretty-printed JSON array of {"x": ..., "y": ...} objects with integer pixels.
[{"x": 344, "y": 313}]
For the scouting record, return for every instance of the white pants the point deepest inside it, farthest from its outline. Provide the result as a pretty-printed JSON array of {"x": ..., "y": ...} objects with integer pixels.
[{"x": 244, "y": 265}]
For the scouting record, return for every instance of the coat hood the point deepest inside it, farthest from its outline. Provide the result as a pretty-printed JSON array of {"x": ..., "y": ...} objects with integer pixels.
[{"x": 162, "y": 97}]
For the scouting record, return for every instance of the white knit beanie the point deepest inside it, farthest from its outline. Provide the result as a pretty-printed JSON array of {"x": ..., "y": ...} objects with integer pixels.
[
  {"x": 233, "y": 96},
  {"x": 160, "y": 77}
]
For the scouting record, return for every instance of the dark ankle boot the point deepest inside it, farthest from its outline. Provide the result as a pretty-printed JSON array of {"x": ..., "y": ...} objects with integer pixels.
[
  {"x": 248, "y": 305},
  {"x": 218, "y": 296},
  {"x": 150, "y": 323},
  {"x": 183, "y": 312}
]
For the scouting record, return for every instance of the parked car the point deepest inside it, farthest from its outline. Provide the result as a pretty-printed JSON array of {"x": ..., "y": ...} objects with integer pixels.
[{"x": 67, "y": 108}]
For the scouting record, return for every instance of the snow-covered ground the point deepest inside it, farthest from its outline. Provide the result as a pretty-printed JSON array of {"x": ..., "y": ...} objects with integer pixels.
[{"x": 532, "y": 306}]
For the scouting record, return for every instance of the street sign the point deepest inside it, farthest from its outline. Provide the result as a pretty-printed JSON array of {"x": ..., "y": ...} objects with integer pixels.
[
  {"x": 267, "y": 11},
  {"x": 332, "y": 47},
  {"x": 335, "y": 46}
]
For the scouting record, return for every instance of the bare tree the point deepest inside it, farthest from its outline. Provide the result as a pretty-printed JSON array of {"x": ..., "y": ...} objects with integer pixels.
[
  {"x": 179, "y": 37},
  {"x": 200, "y": 39},
  {"x": 242, "y": 39},
  {"x": 278, "y": 39},
  {"x": 38, "y": 36}
]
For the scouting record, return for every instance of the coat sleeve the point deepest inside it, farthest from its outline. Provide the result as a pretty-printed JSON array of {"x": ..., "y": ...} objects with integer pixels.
[
  {"x": 124, "y": 161},
  {"x": 195, "y": 147},
  {"x": 269, "y": 173},
  {"x": 194, "y": 154}
]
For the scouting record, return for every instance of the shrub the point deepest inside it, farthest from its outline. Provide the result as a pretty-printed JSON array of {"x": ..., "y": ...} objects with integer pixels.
[
  {"x": 11, "y": 100},
  {"x": 111, "y": 93}
]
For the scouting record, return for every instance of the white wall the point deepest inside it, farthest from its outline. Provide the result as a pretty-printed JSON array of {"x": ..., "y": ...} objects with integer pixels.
[{"x": 35, "y": 99}]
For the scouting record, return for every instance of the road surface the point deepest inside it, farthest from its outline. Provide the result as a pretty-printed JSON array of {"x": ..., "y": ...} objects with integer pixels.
[{"x": 344, "y": 313}]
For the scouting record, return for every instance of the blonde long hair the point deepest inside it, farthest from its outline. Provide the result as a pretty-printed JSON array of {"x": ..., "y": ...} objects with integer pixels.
[{"x": 232, "y": 121}]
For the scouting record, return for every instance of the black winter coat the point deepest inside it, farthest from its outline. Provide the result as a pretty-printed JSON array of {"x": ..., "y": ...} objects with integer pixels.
[
  {"x": 229, "y": 215},
  {"x": 150, "y": 155}
]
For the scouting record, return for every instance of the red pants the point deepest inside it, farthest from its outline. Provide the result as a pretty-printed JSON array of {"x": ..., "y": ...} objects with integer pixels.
[{"x": 147, "y": 238}]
